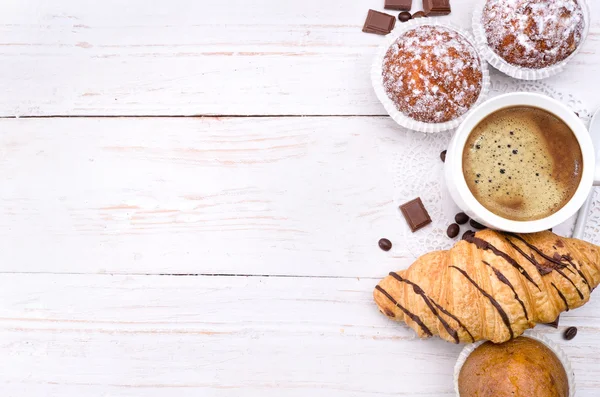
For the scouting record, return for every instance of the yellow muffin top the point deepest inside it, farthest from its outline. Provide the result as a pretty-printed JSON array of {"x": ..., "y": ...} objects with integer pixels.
[{"x": 522, "y": 367}]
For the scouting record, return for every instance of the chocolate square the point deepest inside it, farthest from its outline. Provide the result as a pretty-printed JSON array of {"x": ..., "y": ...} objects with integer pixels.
[
  {"x": 379, "y": 22},
  {"x": 436, "y": 7},
  {"x": 415, "y": 214},
  {"x": 401, "y": 5},
  {"x": 554, "y": 324}
]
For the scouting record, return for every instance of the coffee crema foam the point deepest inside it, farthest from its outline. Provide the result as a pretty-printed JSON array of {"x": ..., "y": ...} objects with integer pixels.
[{"x": 522, "y": 163}]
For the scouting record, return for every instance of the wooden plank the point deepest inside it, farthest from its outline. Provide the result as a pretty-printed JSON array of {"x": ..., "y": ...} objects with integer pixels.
[
  {"x": 268, "y": 57},
  {"x": 288, "y": 196},
  {"x": 95, "y": 335}
]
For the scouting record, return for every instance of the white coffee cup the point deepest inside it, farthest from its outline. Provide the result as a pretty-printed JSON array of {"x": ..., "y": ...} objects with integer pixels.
[{"x": 463, "y": 197}]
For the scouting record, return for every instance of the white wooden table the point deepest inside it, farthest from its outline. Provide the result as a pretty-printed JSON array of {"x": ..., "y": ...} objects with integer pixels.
[{"x": 232, "y": 253}]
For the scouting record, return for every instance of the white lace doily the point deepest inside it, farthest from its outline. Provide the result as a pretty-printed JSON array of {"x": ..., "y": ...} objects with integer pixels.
[{"x": 419, "y": 173}]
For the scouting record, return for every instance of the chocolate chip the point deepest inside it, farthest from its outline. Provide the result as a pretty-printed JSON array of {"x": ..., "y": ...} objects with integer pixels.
[
  {"x": 404, "y": 16},
  {"x": 385, "y": 244},
  {"x": 443, "y": 156},
  {"x": 379, "y": 23},
  {"x": 570, "y": 333},
  {"x": 467, "y": 234},
  {"x": 419, "y": 14},
  {"x": 554, "y": 324},
  {"x": 461, "y": 218},
  {"x": 453, "y": 230},
  {"x": 476, "y": 225},
  {"x": 402, "y": 5},
  {"x": 416, "y": 214}
]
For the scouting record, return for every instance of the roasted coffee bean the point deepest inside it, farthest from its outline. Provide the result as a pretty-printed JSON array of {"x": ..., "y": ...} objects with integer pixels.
[
  {"x": 570, "y": 333},
  {"x": 461, "y": 218},
  {"x": 453, "y": 230},
  {"x": 385, "y": 244},
  {"x": 467, "y": 234},
  {"x": 404, "y": 16},
  {"x": 419, "y": 14},
  {"x": 443, "y": 156},
  {"x": 476, "y": 225}
]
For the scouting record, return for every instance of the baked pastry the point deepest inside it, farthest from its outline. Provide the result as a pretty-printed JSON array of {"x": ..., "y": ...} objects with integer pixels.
[
  {"x": 491, "y": 286},
  {"x": 533, "y": 33},
  {"x": 522, "y": 367},
  {"x": 432, "y": 74}
]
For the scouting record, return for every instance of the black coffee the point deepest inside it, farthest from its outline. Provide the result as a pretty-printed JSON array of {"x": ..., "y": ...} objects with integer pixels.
[{"x": 522, "y": 163}]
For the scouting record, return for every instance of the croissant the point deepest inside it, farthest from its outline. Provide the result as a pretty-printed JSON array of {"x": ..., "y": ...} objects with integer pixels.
[{"x": 491, "y": 286}]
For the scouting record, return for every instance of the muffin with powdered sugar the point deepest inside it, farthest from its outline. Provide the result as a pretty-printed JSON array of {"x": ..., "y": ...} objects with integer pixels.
[
  {"x": 533, "y": 34},
  {"x": 432, "y": 74}
]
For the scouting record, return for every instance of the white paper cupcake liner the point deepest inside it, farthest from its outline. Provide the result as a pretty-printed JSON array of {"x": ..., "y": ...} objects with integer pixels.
[
  {"x": 530, "y": 334},
  {"x": 519, "y": 72},
  {"x": 390, "y": 107}
]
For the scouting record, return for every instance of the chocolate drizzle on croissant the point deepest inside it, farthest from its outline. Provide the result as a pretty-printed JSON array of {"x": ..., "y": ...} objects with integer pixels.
[
  {"x": 549, "y": 266},
  {"x": 493, "y": 286},
  {"x": 504, "y": 280},
  {"x": 412, "y": 316},
  {"x": 493, "y": 301},
  {"x": 482, "y": 244}
]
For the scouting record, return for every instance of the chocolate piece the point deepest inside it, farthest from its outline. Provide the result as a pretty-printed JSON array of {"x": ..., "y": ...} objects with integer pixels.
[
  {"x": 466, "y": 235},
  {"x": 400, "y": 5},
  {"x": 554, "y": 324},
  {"x": 419, "y": 14},
  {"x": 570, "y": 333},
  {"x": 404, "y": 16},
  {"x": 385, "y": 244},
  {"x": 443, "y": 155},
  {"x": 461, "y": 218},
  {"x": 415, "y": 214},
  {"x": 453, "y": 230},
  {"x": 436, "y": 7},
  {"x": 379, "y": 23},
  {"x": 476, "y": 225}
]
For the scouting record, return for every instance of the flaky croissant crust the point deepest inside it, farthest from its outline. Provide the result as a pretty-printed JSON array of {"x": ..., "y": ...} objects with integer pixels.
[{"x": 491, "y": 286}]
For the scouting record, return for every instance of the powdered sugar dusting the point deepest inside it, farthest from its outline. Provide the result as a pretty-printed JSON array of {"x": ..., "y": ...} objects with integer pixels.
[
  {"x": 533, "y": 33},
  {"x": 432, "y": 74}
]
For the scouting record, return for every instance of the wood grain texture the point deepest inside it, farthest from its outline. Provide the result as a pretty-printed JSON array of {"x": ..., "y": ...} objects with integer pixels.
[
  {"x": 99, "y": 335},
  {"x": 287, "y": 196},
  {"x": 266, "y": 57}
]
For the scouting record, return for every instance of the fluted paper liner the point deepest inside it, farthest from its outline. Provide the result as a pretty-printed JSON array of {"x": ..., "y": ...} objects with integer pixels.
[
  {"x": 519, "y": 72},
  {"x": 468, "y": 349},
  {"x": 388, "y": 104}
]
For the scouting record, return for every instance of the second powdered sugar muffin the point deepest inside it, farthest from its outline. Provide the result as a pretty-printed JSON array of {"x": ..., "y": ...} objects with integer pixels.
[{"x": 530, "y": 39}]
